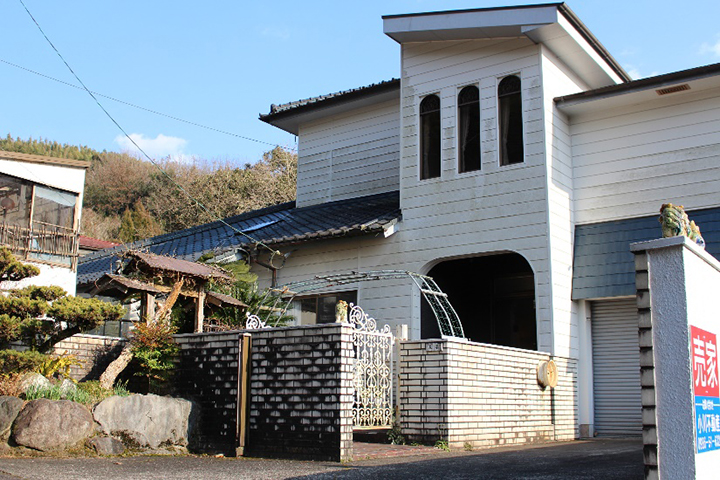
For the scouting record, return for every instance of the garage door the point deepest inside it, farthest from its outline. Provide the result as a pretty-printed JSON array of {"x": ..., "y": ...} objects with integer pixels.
[{"x": 616, "y": 368}]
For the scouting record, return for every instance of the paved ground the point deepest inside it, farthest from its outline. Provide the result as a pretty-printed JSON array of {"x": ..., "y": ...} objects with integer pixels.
[{"x": 596, "y": 459}]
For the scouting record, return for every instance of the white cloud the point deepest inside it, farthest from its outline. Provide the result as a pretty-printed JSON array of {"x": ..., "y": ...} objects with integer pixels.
[
  {"x": 161, "y": 146},
  {"x": 711, "y": 48}
]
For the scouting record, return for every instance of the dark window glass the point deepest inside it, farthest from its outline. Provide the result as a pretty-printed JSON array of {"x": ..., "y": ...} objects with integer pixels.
[
  {"x": 430, "y": 137},
  {"x": 511, "y": 122},
  {"x": 469, "y": 125},
  {"x": 321, "y": 308}
]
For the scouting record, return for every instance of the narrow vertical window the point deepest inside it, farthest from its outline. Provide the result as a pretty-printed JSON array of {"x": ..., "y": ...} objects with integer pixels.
[
  {"x": 511, "y": 122},
  {"x": 469, "y": 125},
  {"x": 430, "y": 137}
]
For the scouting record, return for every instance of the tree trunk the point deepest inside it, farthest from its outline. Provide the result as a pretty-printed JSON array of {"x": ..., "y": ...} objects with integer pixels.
[{"x": 108, "y": 377}]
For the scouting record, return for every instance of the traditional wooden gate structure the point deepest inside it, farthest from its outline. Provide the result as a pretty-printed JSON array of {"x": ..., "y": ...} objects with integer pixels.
[{"x": 372, "y": 371}]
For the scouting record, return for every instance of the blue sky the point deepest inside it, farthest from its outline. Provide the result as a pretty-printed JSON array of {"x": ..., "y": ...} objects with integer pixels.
[{"x": 221, "y": 63}]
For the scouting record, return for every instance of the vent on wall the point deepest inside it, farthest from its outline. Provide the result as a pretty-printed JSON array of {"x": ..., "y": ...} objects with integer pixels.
[{"x": 676, "y": 88}]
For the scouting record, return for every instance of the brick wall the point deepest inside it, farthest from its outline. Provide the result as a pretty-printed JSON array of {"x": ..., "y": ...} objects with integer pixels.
[
  {"x": 301, "y": 392},
  {"x": 94, "y": 352},
  {"x": 484, "y": 395}
]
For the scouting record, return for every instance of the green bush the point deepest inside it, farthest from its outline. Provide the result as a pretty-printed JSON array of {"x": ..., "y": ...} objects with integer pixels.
[{"x": 12, "y": 361}]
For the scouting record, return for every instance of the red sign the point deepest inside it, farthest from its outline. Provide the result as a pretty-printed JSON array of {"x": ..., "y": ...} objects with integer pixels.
[{"x": 704, "y": 359}]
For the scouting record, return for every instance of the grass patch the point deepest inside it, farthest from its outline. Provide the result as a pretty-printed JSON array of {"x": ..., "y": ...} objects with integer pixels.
[{"x": 86, "y": 392}]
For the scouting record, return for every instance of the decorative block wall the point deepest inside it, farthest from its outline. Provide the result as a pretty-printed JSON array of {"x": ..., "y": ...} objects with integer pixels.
[
  {"x": 483, "y": 395},
  {"x": 207, "y": 373},
  {"x": 301, "y": 392},
  {"x": 94, "y": 352}
]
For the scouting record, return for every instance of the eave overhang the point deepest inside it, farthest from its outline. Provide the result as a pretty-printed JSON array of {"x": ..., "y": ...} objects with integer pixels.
[
  {"x": 289, "y": 116},
  {"x": 554, "y": 25},
  {"x": 641, "y": 91}
]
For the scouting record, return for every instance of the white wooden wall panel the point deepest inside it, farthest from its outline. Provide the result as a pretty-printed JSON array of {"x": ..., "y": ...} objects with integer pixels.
[
  {"x": 349, "y": 155},
  {"x": 559, "y": 80},
  {"x": 629, "y": 161}
]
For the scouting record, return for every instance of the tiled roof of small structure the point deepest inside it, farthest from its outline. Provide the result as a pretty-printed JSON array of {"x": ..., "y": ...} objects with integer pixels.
[
  {"x": 322, "y": 100},
  {"x": 281, "y": 224},
  {"x": 174, "y": 265}
]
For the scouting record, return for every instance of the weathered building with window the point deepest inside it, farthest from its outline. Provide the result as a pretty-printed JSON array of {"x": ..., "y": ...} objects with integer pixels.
[
  {"x": 40, "y": 204},
  {"x": 514, "y": 161}
]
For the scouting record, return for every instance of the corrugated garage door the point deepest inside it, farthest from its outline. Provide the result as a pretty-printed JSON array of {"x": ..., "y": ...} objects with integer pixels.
[{"x": 616, "y": 368}]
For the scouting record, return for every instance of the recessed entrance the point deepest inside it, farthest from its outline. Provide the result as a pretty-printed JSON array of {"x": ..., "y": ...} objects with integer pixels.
[{"x": 494, "y": 297}]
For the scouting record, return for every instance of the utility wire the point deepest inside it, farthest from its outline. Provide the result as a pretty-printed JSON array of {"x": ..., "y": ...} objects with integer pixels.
[
  {"x": 137, "y": 106},
  {"x": 180, "y": 187}
]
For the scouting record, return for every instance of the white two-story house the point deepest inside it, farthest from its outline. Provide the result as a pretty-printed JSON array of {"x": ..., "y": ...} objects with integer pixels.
[
  {"x": 40, "y": 205},
  {"x": 514, "y": 161}
]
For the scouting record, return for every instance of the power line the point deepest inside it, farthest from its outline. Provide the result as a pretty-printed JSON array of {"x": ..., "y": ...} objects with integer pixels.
[
  {"x": 138, "y": 106},
  {"x": 177, "y": 185}
]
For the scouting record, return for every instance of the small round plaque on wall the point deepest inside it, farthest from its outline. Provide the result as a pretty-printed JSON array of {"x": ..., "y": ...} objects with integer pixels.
[{"x": 547, "y": 374}]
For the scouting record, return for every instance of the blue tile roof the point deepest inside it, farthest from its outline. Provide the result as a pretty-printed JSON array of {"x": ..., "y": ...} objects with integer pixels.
[
  {"x": 603, "y": 264},
  {"x": 277, "y": 225}
]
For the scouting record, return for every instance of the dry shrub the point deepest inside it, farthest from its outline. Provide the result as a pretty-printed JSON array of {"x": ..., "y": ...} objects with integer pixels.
[{"x": 10, "y": 384}]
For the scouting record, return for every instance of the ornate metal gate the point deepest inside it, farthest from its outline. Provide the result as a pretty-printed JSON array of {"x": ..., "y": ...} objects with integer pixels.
[{"x": 373, "y": 372}]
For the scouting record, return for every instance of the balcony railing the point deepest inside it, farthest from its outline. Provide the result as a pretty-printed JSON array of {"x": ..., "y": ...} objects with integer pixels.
[{"x": 43, "y": 243}]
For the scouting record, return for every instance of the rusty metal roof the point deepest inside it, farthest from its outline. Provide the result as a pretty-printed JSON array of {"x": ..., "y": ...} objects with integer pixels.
[{"x": 175, "y": 265}]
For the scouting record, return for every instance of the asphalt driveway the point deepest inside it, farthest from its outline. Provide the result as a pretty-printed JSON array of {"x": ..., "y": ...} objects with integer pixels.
[{"x": 595, "y": 459}]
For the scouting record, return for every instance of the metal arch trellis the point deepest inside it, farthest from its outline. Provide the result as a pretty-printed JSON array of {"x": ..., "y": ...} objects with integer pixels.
[{"x": 445, "y": 315}]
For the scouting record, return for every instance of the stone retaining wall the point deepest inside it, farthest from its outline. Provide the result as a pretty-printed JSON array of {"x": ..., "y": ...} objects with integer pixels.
[{"x": 483, "y": 395}]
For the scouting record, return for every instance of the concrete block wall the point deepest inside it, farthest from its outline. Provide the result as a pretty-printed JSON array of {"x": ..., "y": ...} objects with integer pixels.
[
  {"x": 483, "y": 395},
  {"x": 301, "y": 392},
  {"x": 94, "y": 352},
  {"x": 207, "y": 373}
]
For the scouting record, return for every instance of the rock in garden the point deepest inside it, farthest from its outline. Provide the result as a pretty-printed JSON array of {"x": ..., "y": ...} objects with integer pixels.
[
  {"x": 67, "y": 387},
  {"x": 146, "y": 420},
  {"x": 107, "y": 445},
  {"x": 33, "y": 379},
  {"x": 52, "y": 425},
  {"x": 9, "y": 409}
]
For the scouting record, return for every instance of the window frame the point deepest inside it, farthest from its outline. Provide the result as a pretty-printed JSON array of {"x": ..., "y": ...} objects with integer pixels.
[
  {"x": 474, "y": 105},
  {"x": 510, "y": 120},
  {"x": 297, "y": 304},
  {"x": 430, "y": 142}
]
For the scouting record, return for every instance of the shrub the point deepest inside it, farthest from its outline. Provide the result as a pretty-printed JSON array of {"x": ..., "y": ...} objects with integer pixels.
[
  {"x": 155, "y": 350},
  {"x": 14, "y": 362},
  {"x": 58, "y": 366},
  {"x": 85, "y": 393},
  {"x": 10, "y": 384}
]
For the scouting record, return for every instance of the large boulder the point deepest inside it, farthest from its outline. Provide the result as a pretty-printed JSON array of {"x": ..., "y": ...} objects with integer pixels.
[
  {"x": 145, "y": 420},
  {"x": 52, "y": 425},
  {"x": 9, "y": 409}
]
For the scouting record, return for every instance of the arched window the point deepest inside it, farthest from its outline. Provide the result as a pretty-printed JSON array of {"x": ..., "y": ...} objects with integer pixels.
[
  {"x": 430, "y": 137},
  {"x": 511, "y": 122},
  {"x": 469, "y": 128}
]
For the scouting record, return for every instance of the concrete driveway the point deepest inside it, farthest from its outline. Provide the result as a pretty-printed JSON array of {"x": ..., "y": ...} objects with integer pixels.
[{"x": 596, "y": 459}]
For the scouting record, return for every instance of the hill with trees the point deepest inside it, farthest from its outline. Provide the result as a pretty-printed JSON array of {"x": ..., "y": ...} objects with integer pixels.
[{"x": 127, "y": 198}]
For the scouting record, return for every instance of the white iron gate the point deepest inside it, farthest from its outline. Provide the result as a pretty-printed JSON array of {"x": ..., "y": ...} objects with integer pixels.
[{"x": 373, "y": 375}]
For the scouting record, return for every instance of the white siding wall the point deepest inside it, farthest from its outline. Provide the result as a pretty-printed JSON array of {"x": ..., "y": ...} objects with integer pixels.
[
  {"x": 349, "y": 155},
  {"x": 559, "y": 80},
  {"x": 496, "y": 209},
  {"x": 628, "y": 161}
]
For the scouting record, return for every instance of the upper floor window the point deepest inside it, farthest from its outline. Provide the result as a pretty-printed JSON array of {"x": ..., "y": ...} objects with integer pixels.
[
  {"x": 38, "y": 222},
  {"x": 430, "y": 137},
  {"x": 511, "y": 122},
  {"x": 469, "y": 128}
]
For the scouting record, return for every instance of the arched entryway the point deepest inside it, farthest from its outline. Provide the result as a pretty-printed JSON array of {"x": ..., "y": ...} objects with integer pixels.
[{"x": 494, "y": 296}]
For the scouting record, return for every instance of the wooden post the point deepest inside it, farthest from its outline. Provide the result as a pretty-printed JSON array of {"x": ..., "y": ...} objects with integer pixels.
[
  {"x": 147, "y": 307},
  {"x": 245, "y": 344},
  {"x": 199, "y": 310}
]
